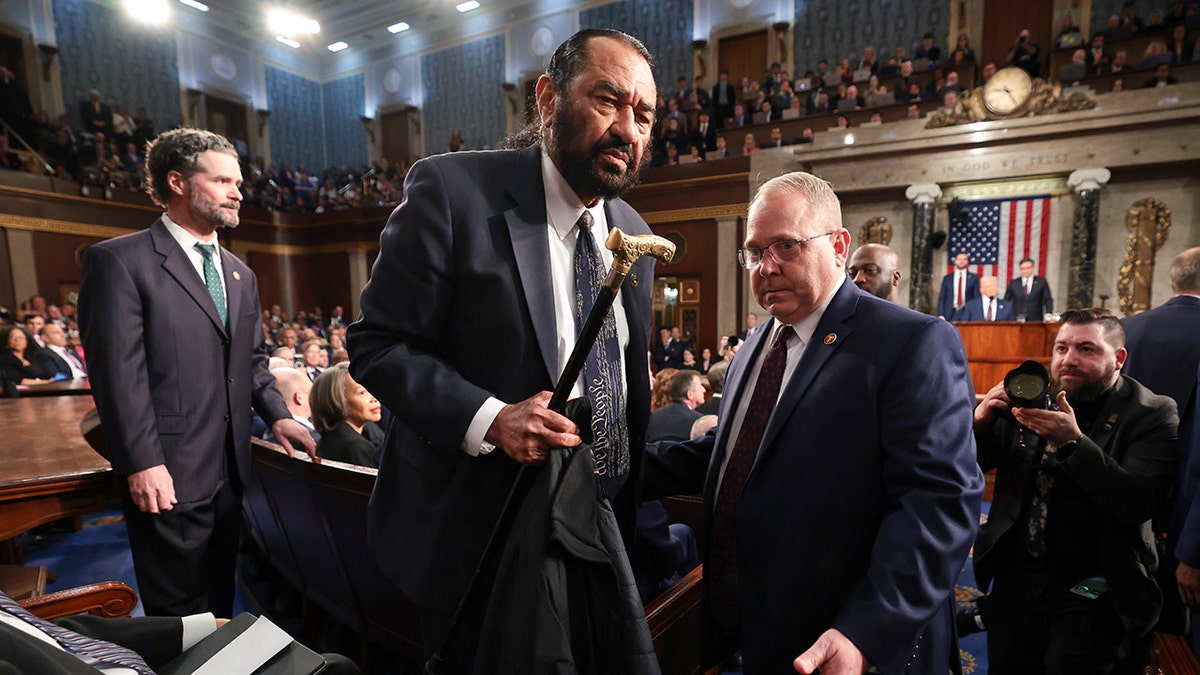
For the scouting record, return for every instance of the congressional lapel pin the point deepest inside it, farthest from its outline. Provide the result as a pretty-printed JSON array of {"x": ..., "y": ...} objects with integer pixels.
[
  {"x": 633, "y": 280},
  {"x": 237, "y": 275},
  {"x": 831, "y": 338},
  {"x": 1112, "y": 421}
]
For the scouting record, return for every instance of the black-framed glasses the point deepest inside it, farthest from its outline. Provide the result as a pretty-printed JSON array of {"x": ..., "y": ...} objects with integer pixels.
[{"x": 784, "y": 250}]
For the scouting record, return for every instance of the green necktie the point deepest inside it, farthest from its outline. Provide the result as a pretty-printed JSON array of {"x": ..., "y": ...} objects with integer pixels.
[{"x": 213, "y": 281}]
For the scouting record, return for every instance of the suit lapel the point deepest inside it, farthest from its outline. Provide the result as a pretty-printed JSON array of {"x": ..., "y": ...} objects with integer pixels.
[
  {"x": 176, "y": 263},
  {"x": 1106, "y": 423},
  {"x": 233, "y": 285},
  {"x": 527, "y": 228},
  {"x": 736, "y": 383}
]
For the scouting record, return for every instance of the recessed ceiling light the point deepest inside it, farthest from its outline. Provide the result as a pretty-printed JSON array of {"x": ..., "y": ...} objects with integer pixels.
[
  {"x": 286, "y": 23},
  {"x": 287, "y": 41},
  {"x": 467, "y": 6},
  {"x": 399, "y": 27},
  {"x": 198, "y": 6},
  {"x": 337, "y": 46},
  {"x": 148, "y": 11}
]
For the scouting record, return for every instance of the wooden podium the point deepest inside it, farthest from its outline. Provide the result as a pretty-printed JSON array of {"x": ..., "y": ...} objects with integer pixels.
[{"x": 996, "y": 347}]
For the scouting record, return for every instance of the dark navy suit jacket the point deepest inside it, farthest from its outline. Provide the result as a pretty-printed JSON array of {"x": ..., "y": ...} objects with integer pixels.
[
  {"x": 945, "y": 305},
  {"x": 460, "y": 308},
  {"x": 865, "y": 496},
  {"x": 1038, "y": 304},
  {"x": 974, "y": 311}
]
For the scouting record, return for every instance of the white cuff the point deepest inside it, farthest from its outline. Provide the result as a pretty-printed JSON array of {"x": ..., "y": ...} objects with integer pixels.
[
  {"x": 473, "y": 443},
  {"x": 196, "y": 627}
]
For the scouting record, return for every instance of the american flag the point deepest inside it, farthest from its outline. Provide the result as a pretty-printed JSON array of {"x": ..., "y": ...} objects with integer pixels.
[{"x": 1000, "y": 233}]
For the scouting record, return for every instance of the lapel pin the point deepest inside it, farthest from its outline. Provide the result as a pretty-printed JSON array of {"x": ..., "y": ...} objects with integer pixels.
[
  {"x": 831, "y": 338},
  {"x": 237, "y": 275},
  {"x": 633, "y": 280}
]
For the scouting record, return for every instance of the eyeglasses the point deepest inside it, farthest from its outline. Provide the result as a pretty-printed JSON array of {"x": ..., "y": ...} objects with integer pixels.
[{"x": 784, "y": 250}]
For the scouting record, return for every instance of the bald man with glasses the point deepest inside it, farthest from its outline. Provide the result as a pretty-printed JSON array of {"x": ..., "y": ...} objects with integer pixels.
[{"x": 840, "y": 488}]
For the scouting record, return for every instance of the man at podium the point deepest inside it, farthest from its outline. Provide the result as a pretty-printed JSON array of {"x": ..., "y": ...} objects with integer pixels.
[{"x": 987, "y": 307}]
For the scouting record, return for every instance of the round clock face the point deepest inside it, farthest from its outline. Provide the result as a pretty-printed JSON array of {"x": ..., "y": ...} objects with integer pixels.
[
  {"x": 1007, "y": 91},
  {"x": 223, "y": 66},
  {"x": 542, "y": 42}
]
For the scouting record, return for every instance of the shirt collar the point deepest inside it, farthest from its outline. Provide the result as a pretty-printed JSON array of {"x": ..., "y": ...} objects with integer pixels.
[
  {"x": 185, "y": 238},
  {"x": 563, "y": 206}
]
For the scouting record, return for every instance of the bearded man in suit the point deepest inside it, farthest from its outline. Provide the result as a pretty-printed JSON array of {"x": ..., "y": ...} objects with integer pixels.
[{"x": 492, "y": 243}]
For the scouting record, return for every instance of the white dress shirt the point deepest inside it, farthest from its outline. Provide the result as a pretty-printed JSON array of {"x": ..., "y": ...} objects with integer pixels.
[
  {"x": 188, "y": 243},
  {"x": 563, "y": 209}
]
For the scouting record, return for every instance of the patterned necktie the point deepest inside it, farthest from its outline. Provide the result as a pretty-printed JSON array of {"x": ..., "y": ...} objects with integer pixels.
[
  {"x": 213, "y": 281},
  {"x": 991, "y": 313},
  {"x": 76, "y": 643},
  {"x": 1038, "y": 507},
  {"x": 602, "y": 368},
  {"x": 721, "y": 568}
]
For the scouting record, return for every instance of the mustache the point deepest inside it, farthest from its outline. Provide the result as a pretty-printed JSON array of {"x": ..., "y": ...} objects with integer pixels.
[{"x": 615, "y": 144}]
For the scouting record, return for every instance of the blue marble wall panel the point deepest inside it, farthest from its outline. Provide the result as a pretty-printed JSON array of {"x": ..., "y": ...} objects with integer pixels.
[
  {"x": 664, "y": 26},
  {"x": 345, "y": 138},
  {"x": 837, "y": 29},
  {"x": 297, "y": 119},
  {"x": 132, "y": 64},
  {"x": 463, "y": 91}
]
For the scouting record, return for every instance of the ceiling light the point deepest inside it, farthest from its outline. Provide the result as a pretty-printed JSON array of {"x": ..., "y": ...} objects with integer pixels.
[
  {"x": 398, "y": 27},
  {"x": 287, "y": 41},
  {"x": 337, "y": 46},
  {"x": 285, "y": 23},
  {"x": 148, "y": 11},
  {"x": 467, "y": 6},
  {"x": 198, "y": 6}
]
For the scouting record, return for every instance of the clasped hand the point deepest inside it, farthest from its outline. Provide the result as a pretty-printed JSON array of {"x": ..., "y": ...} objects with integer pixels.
[{"x": 529, "y": 430}]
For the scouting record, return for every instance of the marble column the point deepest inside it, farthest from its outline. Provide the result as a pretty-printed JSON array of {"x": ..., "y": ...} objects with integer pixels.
[
  {"x": 728, "y": 272},
  {"x": 1081, "y": 286},
  {"x": 360, "y": 272},
  {"x": 923, "y": 197}
]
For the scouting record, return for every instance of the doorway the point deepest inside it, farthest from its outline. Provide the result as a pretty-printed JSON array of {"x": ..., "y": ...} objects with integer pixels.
[{"x": 743, "y": 56}]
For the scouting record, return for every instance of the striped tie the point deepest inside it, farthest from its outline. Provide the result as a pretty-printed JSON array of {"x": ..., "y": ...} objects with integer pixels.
[
  {"x": 213, "y": 281},
  {"x": 75, "y": 643}
]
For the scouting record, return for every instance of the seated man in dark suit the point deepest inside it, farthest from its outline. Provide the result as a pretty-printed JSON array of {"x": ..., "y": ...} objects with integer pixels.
[
  {"x": 1067, "y": 550},
  {"x": 716, "y": 382},
  {"x": 295, "y": 388},
  {"x": 56, "y": 358},
  {"x": 29, "y": 644},
  {"x": 673, "y": 422},
  {"x": 987, "y": 307},
  {"x": 1029, "y": 294}
]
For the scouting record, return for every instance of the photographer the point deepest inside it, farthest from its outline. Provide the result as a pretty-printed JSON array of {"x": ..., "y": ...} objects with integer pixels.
[
  {"x": 1026, "y": 55},
  {"x": 1080, "y": 468}
]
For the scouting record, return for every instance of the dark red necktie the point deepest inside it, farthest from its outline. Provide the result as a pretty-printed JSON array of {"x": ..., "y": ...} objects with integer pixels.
[
  {"x": 991, "y": 313},
  {"x": 961, "y": 299},
  {"x": 721, "y": 567}
]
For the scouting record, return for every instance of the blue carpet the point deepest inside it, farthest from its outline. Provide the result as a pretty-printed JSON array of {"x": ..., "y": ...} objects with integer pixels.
[
  {"x": 972, "y": 648},
  {"x": 97, "y": 552}
]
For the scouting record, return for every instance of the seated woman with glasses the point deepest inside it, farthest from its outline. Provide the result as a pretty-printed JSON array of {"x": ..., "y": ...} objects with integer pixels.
[
  {"x": 15, "y": 361},
  {"x": 340, "y": 409}
]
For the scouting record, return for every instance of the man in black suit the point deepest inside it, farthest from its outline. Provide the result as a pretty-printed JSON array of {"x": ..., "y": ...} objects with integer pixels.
[
  {"x": 724, "y": 98},
  {"x": 56, "y": 358},
  {"x": 716, "y": 383},
  {"x": 1068, "y": 549},
  {"x": 172, "y": 329},
  {"x": 875, "y": 268},
  {"x": 704, "y": 136},
  {"x": 1029, "y": 294},
  {"x": 673, "y": 422},
  {"x": 1164, "y": 355},
  {"x": 97, "y": 117},
  {"x": 497, "y": 258}
]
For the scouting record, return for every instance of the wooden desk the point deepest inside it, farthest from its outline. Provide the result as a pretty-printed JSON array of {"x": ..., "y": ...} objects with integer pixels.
[
  {"x": 996, "y": 347},
  {"x": 47, "y": 469},
  {"x": 61, "y": 388}
]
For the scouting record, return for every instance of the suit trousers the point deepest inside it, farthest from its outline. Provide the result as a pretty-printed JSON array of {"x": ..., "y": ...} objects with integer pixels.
[
  {"x": 1033, "y": 629},
  {"x": 185, "y": 558}
]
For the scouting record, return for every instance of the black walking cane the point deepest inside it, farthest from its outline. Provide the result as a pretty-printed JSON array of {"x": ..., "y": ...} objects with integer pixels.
[{"x": 627, "y": 249}]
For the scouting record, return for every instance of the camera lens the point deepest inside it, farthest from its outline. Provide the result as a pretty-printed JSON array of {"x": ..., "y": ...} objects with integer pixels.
[{"x": 1026, "y": 386}]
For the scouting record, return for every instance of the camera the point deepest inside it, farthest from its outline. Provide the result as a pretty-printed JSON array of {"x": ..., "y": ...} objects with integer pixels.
[{"x": 1028, "y": 386}]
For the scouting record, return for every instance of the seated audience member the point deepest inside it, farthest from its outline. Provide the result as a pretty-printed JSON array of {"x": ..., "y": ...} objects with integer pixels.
[
  {"x": 107, "y": 645},
  {"x": 720, "y": 152},
  {"x": 341, "y": 408},
  {"x": 867, "y": 62},
  {"x": 928, "y": 51},
  {"x": 1098, "y": 59},
  {"x": 1156, "y": 53},
  {"x": 876, "y": 118},
  {"x": 1162, "y": 77},
  {"x": 296, "y": 389},
  {"x": 1119, "y": 63},
  {"x": 989, "y": 69},
  {"x": 56, "y": 359},
  {"x": 912, "y": 112},
  {"x": 673, "y": 422},
  {"x": 1067, "y": 550},
  {"x": 776, "y": 138},
  {"x": 950, "y": 100},
  {"x": 988, "y": 306},
  {"x": 313, "y": 354},
  {"x": 1178, "y": 46},
  {"x": 1068, "y": 33},
  {"x": 15, "y": 363},
  {"x": 843, "y": 122},
  {"x": 739, "y": 117},
  {"x": 689, "y": 360},
  {"x": 706, "y": 362},
  {"x": 1118, "y": 85},
  {"x": 660, "y": 391},
  {"x": 339, "y": 356},
  {"x": 806, "y": 136},
  {"x": 716, "y": 383},
  {"x": 286, "y": 353},
  {"x": 33, "y": 330},
  {"x": 749, "y": 145}
]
